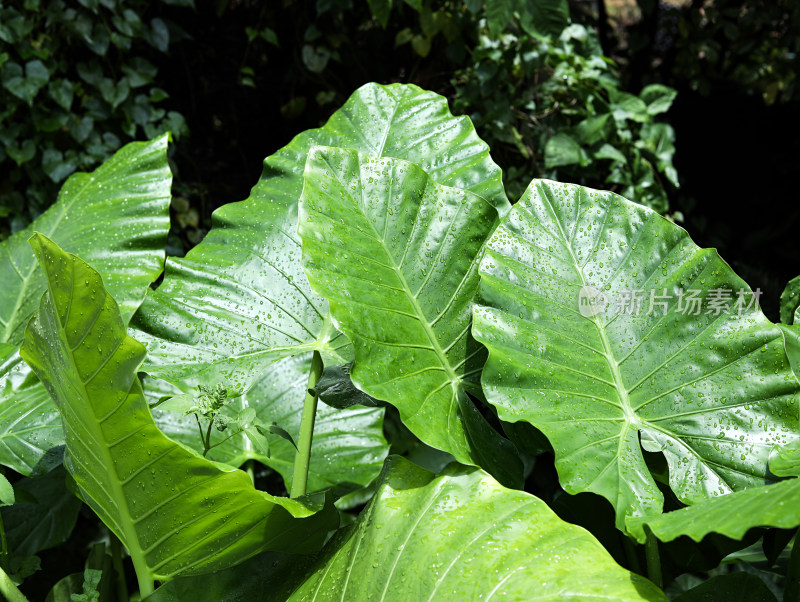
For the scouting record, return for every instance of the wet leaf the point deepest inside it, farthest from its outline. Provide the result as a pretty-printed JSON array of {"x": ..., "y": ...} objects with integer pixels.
[{"x": 571, "y": 352}]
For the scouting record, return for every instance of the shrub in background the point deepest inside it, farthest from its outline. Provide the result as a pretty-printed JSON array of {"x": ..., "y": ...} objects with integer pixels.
[{"x": 77, "y": 81}]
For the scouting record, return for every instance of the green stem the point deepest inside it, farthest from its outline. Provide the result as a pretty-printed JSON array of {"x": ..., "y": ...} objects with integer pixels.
[
  {"x": 116, "y": 560},
  {"x": 792, "y": 590},
  {"x": 9, "y": 590},
  {"x": 249, "y": 468},
  {"x": 3, "y": 542},
  {"x": 208, "y": 435},
  {"x": 202, "y": 438},
  {"x": 653, "y": 559},
  {"x": 303, "y": 457},
  {"x": 218, "y": 443}
]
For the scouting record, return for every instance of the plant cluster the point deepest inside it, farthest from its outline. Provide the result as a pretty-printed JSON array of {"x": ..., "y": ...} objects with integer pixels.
[
  {"x": 554, "y": 108},
  {"x": 378, "y": 268},
  {"x": 77, "y": 82}
]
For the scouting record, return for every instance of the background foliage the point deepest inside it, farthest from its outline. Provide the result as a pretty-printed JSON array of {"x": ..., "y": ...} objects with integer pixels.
[{"x": 78, "y": 81}]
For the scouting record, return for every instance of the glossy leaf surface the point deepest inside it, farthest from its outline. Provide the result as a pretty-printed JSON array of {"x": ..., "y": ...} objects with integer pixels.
[
  {"x": 175, "y": 512},
  {"x": 347, "y": 450},
  {"x": 30, "y": 428},
  {"x": 239, "y": 300},
  {"x": 732, "y": 515},
  {"x": 784, "y": 460},
  {"x": 790, "y": 301},
  {"x": 116, "y": 218},
  {"x": 462, "y": 536},
  {"x": 394, "y": 253},
  {"x": 712, "y": 391}
]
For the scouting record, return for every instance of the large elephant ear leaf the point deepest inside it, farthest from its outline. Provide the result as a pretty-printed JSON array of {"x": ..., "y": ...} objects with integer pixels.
[
  {"x": 116, "y": 217},
  {"x": 462, "y": 536},
  {"x": 395, "y": 254},
  {"x": 176, "y": 513},
  {"x": 606, "y": 327},
  {"x": 239, "y": 300}
]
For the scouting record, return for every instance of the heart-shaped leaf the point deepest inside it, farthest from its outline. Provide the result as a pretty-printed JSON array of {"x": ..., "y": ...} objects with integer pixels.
[
  {"x": 175, "y": 512},
  {"x": 462, "y": 536},
  {"x": 586, "y": 308},
  {"x": 394, "y": 253},
  {"x": 239, "y": 300}
]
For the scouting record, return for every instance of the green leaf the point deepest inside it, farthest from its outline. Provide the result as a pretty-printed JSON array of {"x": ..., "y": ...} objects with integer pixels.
[
  {"x": 563, "y": 149},
  {"x": 336, "y": 388},
  {"x": 732, "y": 515},
  {"x": 30, "y": 429},
  {"x": 240, "y": 300},
  {"x": 627, "y": 106},
  {"x": 45, "y": 518},
  {"x": 462, "y": 536},
  {"x": 592, "y": 129},
  {"x": 570, "y": 352},
  {"x": 658, "y": 98},
  {"x": 91, "y": 579},
  {"x": 381, "y": 10},
  {"x": 659, "y": 139},
  {"x": 175, "y": 512},
  {"x": 347, "y": 450},
  {"x": 498, "y": 15},
  {"x": 55, "y": 166},
  {"x": 394, "y": 253},
  {"x": 117, "y": 217},
  {"x": 784, "y": 460},
  {"x": 790, "y": 301},
  {"x": 268, "y": 577},
  {"x": 6, "y": 492},
  {"x": 23, "y": 153},
  {"x": 548, "y": 17},
  {"x": 27, "y": 86},
  {"x": 609, "y": 152},
  {"x": 158, "y": 35}
]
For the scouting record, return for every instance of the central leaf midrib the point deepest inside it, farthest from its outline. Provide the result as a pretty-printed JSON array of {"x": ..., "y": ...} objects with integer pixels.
[
  {"x": 117, "y": 495},
  {"x": 613, "y": 365},
  {"x": 421, "y": 317}
]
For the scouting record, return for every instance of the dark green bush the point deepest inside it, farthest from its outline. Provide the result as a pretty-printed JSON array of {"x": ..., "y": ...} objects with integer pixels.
[
  {"x": 554, "y": 108},
  {"x": 77, "y": 82}
]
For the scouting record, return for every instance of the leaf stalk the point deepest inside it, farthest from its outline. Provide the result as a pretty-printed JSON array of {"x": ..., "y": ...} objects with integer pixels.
[
  {"x": 303, "y": 457},
  {"x": 9, "y": 590}
]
